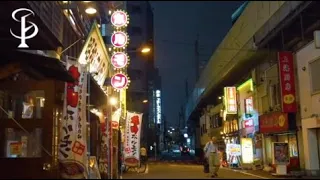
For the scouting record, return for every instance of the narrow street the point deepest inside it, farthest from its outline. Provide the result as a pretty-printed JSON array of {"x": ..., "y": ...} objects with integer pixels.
[{"x": 180, "y": 171}]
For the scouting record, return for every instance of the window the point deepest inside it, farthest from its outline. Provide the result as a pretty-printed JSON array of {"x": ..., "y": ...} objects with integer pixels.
[
  {"x": 134, "y": 9},
  {"x": 20, "y": 144},
  {"x": 24, "y": 106},
  {"x": 314, "y": 75},
  {"x": 134, "y": 31},
  {"x": 275, "y": 95}
]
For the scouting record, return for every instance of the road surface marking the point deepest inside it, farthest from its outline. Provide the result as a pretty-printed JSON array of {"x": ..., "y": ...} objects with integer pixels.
[{"x": 261, "y": 177}]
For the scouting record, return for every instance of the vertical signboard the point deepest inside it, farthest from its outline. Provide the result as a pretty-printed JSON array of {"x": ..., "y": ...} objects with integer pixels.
[
  {"x": 73, "y": 140},
  {"x": 287, "y": 83},
  {"x": 230, "y": 97},
  {"x": 132, "y": 139},
  {"x": 247, "y": 150},
  {"x": 158, "y": 106},
  {"x": 119, "y": 59}
]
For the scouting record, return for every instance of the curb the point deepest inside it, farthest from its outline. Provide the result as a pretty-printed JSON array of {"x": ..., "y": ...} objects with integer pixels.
[{"x": 250, "y": 174}]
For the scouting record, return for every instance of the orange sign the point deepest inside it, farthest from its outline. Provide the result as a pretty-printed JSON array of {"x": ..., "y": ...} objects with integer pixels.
[
  {"x": 230, "y": 95},
  {"x": 15, "y": 148}
]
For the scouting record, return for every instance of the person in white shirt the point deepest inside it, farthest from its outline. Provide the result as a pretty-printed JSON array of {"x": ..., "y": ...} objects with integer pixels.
[{"x": 212, "y": 156}]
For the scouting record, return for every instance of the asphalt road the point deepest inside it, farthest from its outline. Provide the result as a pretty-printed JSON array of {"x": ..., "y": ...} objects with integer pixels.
[
  {"x": 175, "y": 171},
  {"x": 165, "y": 156}
]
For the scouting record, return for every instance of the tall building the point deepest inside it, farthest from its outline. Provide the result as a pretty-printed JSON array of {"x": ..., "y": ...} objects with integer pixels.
[{"x": 141, "y": 67}]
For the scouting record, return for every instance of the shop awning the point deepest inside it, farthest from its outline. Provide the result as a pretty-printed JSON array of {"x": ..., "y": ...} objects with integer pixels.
[{"x": 14, "y": 61}]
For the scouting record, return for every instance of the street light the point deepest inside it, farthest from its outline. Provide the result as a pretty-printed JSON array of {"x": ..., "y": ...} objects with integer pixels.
[
  {"x": 144, "y": 101},
  {"x": 145, "y": 50},
  {"x": 91, "y": 10},
  {"x": 113, "y": 101}
]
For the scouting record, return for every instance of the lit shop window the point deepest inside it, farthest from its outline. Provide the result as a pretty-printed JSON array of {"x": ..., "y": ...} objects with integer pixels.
[
  {"x": 25, "y": 106},
  {"x": 20, "y": 144}
]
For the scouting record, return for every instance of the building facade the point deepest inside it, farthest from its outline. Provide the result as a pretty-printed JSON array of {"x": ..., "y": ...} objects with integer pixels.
[
  {"x": 308, "y": 65},
  {"x": 269, "y": 102}
]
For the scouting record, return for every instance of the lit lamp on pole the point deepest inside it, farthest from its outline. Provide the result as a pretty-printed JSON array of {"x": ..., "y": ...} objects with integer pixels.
[{"x": 113, "y": 101}]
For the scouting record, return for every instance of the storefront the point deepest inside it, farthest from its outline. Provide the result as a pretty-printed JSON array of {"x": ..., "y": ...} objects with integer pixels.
[
  {"x": 230, "y": 134},
  {"x": 31, "y": 109},
  {"x": 279, "y": 127}
]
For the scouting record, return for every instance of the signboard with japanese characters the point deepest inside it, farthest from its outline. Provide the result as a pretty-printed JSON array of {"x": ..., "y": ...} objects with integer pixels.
[
  {"x": 73, "y": 140},
  {"x": 119, "y": 81},
  {"x": 132, "y": 139},
  {"x": 119, "y": 41},
  {"x": 275, "y": 122},
  {"x": 119, "y": 60},
  {"x": 287, "y": 82},
  {"x": 119, "y": 19},
  {"x": 95, "y": 56},
  {"x": 230, "y": 95}
]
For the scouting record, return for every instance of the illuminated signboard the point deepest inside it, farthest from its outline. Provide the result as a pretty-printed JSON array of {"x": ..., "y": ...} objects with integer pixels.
[
  {"x": 248, "y": 105},
  {"x": 119, "y": 19},
  {"x": 119, "y": 60},
  {"x": 119, "y": 39},
  {"x": 230, "y": 94},
  {"x": 94, "y": 54},
  {"x": 119, "y": 81},
  {"x": 247, "y": 150},
  {"x": 158, "y": 106}
]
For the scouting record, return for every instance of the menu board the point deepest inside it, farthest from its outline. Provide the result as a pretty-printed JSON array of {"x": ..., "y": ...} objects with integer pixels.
[
  {"x": 247, "y": 150},
  {"x": 281, "y": 153}
]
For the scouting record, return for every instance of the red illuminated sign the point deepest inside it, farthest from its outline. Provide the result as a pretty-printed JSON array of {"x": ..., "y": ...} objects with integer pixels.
[
  {"x": 119, "y": 60},
  {"x": 119, "y": 81},
  {"x": 275, "y": 122},
  {"x": 119, "y": 39},
  {"x": 248, "y": 123},
  {"x": 119, "y": 19},
  {"x": 230, "y": 94},
  {"x": 286, "y": 73}
]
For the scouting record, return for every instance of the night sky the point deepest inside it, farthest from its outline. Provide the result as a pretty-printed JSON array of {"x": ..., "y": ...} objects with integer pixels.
[{"x": 176, "y": 24}]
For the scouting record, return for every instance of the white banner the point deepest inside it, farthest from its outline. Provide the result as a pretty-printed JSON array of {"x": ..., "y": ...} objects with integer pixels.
[
  {"x": 132, "y": 139},
  {"x": 73, "y": 133},
  {"x": 116, "y": 118}
]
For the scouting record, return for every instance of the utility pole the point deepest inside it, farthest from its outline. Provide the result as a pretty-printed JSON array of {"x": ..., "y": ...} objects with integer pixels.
[{"x": 196, "y": 52}]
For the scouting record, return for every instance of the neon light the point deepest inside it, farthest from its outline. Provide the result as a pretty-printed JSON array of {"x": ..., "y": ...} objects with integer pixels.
[{"x": 249, "y": 82}]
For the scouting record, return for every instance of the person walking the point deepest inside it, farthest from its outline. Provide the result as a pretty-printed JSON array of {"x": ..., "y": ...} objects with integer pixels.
[{"x": 212, "y": 156}]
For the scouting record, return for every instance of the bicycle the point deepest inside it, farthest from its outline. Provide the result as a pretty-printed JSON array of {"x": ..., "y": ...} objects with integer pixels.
[
  {"x": 141, "y": 168},
  {"x": 143, "y": 165}
]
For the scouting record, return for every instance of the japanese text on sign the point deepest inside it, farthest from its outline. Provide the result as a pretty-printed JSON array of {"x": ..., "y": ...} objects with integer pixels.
[
  {"x": 230, "y": 94},
  {"x": 286, "y": 73},
  {"x": 72, "y": 144}
]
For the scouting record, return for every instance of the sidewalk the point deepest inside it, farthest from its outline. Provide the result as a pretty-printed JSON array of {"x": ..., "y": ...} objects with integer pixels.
[{"x": 267, "y": 175}]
